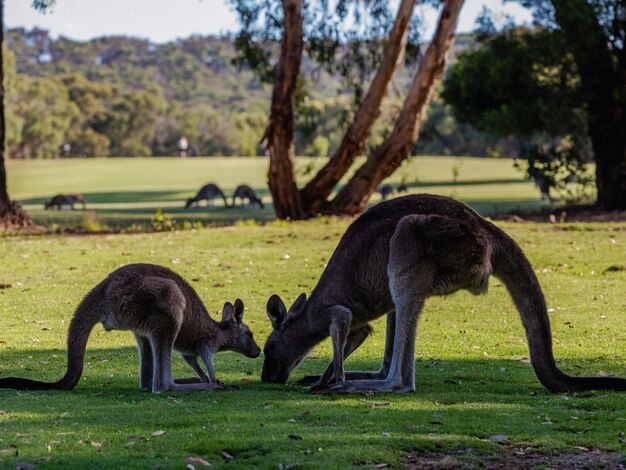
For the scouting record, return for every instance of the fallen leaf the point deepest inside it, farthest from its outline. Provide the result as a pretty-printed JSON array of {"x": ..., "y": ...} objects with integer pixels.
[
  {"x": 158, "y": 433},
  {"x": 197, "y": 461},
  {"x": 227, "y": 456}
]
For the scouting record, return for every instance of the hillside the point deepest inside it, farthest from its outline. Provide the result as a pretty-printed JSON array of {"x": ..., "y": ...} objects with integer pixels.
[{"x": 123, "y": 96}]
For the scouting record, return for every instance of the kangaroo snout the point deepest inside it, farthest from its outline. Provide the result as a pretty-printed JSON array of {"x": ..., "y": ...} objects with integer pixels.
[{"x": 256, "y": 352}]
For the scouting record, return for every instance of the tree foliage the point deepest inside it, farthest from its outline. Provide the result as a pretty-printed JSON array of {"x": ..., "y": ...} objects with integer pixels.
[{"x": 560, "y": 84}]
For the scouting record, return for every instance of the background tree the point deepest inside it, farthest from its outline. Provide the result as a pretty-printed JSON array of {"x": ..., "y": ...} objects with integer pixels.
[
  {"x": 324, "y": 41},
  {"x": 565, "y": 79},
  {"x": 11, "y": 214},
  {"x": 388, "y": 156}
]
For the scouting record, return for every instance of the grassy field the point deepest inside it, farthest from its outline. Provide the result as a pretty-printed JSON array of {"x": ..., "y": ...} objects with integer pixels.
[
  {"x": 472, "y": 376},
  {"x": 121, "y": 192}
]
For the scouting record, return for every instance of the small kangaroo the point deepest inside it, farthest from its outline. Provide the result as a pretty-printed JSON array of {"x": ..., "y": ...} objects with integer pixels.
[
  {"x": 164, "y": 312},
  {"x": 244, "y": 191},
  {"x": 544, "y": 184},
  {"x": 402, "y": 188},
  {"x": 58, "y": 202},
  {"x": 61, "y": 200},
  {"x": 388, "y": 262},
  {"x": 207, "y": 192},
  {"x": 385, "y": 191},
  {"x": 76, "y": 199}
]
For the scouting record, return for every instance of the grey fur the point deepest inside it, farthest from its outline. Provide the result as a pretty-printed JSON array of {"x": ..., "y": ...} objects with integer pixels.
[
  {"x": 164, "y": 313},
  {"x": 243, "y": 192},
  {"x": 61, "y": 201},
  {"x": 385, "y": 191},
  {"x": 207, "y": 193},
  {"x": 391, "y": 259}
]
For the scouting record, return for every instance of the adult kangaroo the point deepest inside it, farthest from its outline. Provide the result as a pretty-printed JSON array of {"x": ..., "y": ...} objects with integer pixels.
[
  {"x": 389, "y": 261},
  {"x": 243, "y": 192},
  {"x": 207, "y": 192},
  {"x": 164, "y": 313}
]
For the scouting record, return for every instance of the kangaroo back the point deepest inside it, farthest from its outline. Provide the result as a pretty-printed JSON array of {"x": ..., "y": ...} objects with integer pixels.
[{"x": 87, "y": 315}]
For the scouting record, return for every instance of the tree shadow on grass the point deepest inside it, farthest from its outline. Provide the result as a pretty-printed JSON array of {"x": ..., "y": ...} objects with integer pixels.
[{"x": 458, "y": 404}]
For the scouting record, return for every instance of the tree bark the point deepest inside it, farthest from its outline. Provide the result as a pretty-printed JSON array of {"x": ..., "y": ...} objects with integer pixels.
[
  {"x": 11, "y": 213},
  {"x": 279, "y": 132},
  {"x": 316, "y": 192},
  {"x": 385, "y": 159},
  {"x": 603, "y": 76},
  {"x": 4, "y": 197}
]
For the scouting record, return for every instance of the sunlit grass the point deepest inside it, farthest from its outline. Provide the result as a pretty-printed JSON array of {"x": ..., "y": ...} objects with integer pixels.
[
  {"x": 125, "y": 191},
  {"x": 472, "y": 376}
]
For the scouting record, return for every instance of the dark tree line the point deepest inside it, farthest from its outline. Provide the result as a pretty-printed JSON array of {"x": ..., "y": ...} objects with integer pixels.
[{"x": 561, "y": 86}]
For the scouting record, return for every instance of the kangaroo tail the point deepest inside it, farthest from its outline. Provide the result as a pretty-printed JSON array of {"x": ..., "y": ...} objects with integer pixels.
[
  {"x": 514, "y": 270},
  {"x": 85, "y": 318}
]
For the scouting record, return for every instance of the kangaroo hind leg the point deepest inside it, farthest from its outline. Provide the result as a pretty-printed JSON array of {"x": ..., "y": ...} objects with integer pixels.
[{"x": 411, "y": 277}]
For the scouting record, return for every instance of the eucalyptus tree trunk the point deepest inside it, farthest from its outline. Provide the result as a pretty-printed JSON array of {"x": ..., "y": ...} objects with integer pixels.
[
  {"x": 279, "y": 132},
  {"x": 4, "y": 196},
  {"x": 385, "y": 159},
  {"x": 316, "y": 192},
  {"x": 11, "y": 214}
]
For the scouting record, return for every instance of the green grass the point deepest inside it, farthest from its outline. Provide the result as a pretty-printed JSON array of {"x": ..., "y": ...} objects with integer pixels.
[
  {"x": 472, "y": 377},
  {"x": 125, "y": 191}
]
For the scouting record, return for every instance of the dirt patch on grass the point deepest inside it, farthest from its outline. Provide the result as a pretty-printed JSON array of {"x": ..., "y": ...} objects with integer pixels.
[{"x": 515, "y": 458}]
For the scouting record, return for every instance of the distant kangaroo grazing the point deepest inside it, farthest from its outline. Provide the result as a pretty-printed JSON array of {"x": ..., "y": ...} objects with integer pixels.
[
  {"x": 207, "y": 192},
  {"x": 385, "y": 191},
  {"x": 76, "y": 199},
  {"x": 244, "y": 191},
  {"x": 544, "y": 184},
  {"x": 164, "y": 313},
  {"x": 388, "y": 262},
  {"x": 61, "y": 200}
]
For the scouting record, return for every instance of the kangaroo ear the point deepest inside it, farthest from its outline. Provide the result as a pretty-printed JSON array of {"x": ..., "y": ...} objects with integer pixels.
[
  {"x": 228, "y": 313},
  {"x": 298, "y": 304},
  {"x": 239, "y": 308},
  {"x": 277, "y": 311}
]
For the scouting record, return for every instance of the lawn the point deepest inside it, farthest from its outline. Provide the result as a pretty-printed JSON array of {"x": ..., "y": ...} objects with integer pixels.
[
  {"x": 121, "y": 192},
  {"x": 472, "y": 376}
]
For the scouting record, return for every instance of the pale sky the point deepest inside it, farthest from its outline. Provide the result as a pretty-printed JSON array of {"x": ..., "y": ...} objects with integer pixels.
[{"x": 165, "y": 20}]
